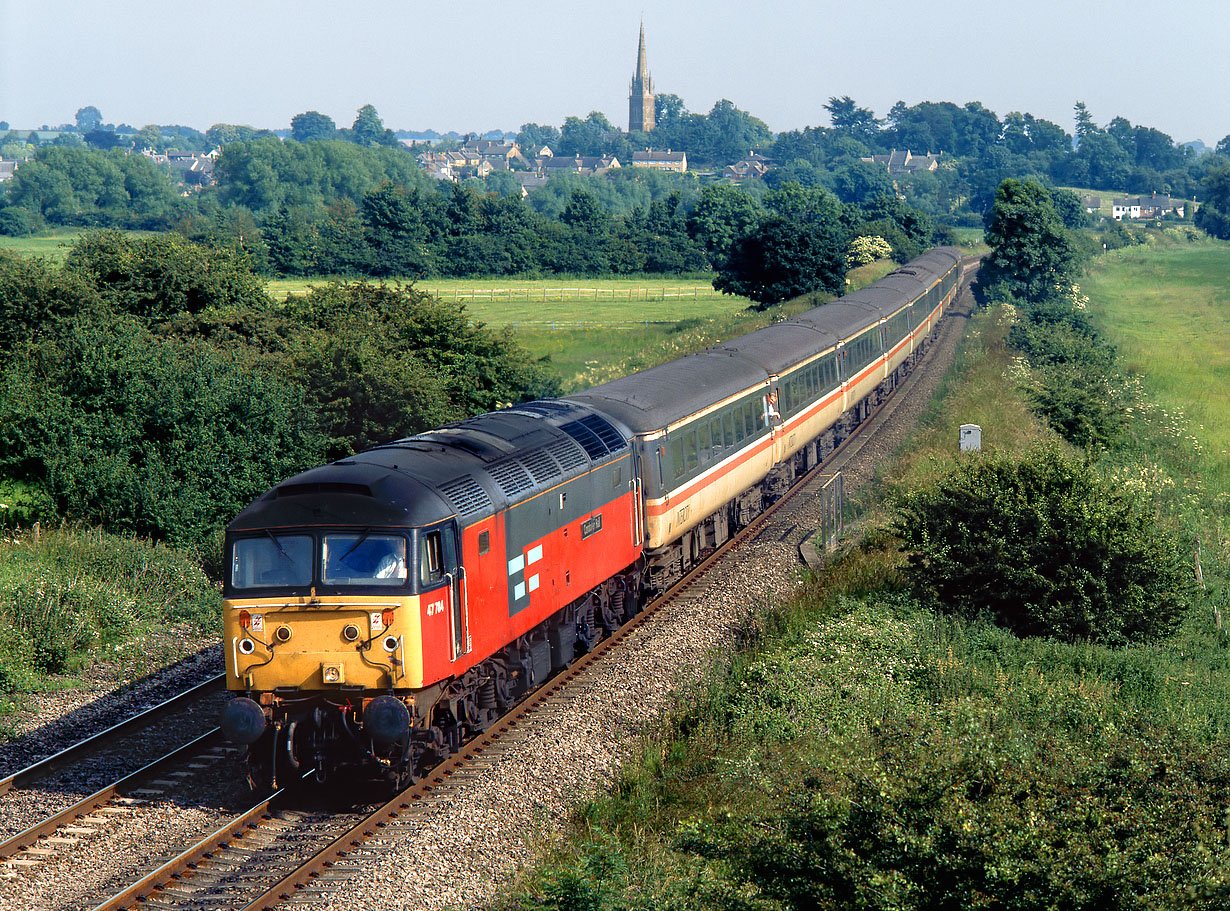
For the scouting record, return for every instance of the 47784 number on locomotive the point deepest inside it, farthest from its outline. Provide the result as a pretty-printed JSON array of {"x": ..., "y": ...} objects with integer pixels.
[{"x": 382, "y": 608}]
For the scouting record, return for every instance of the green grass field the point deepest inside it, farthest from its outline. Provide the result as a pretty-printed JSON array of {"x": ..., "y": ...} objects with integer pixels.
[
  {"x": 594, "y": 330},
  {"x": 1168, "y": 312},
  {"x": 53, "y": 245}
]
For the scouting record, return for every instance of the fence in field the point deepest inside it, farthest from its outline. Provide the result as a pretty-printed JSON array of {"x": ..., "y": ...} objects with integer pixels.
[{"x": 543, "y": 294}]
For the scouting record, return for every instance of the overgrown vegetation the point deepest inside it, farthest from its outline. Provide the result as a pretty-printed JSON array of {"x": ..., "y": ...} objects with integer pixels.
[
  {"x": 1043, "y": 545},
  {"x": 866, "y": 751},
  {"x": 70, "y": 597}
]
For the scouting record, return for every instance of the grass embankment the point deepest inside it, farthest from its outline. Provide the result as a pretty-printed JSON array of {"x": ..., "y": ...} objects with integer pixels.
[
  {"x": 865, "y": 752},
  {"x": 78, "y": 599}
]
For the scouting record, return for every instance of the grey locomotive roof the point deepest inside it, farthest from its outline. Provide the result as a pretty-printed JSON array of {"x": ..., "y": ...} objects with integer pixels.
[
  {"x": 652, "y": 399},
  {"x": 467, "y": 469}
]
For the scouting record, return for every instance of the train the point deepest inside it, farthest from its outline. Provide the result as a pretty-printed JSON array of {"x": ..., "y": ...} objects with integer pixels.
[{"x": 381, "y": 609}]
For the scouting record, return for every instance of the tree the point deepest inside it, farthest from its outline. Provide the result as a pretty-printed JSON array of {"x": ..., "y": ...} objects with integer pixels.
[
  {"x": 783, "y": 259},
  {"x": 312, "y": 126},
  {"x": 1213, "y": 216},
  {"x": 862, "y": 181},
  {"x": 723, "y": 213},
  {"x": 148, "y": 137},
  {"x": 89, "y": 118},
  {"x": 533, "y": 137},
  {"x": 368, "y": 129},
  {"x": 1033, "y": 257},
  {"x": 1085, "y": 127},
  {"x": 857, "y": 123},
  {"x": 1223, "y": 146},
  {"x": 1059, "y": 552}
]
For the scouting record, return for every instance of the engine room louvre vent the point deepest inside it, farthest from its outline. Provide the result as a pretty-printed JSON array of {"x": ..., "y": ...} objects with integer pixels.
[
  {"x": 466, "y": 495},
  {"x": 541, "y": 466},
  {"x": 298, "y": 490},
  {"x": 568, "y": 454},
  {"x": 512, "y": 478}
]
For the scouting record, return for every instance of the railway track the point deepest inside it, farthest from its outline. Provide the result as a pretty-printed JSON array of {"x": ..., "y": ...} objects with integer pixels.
[{"x": 122, "y": 746}]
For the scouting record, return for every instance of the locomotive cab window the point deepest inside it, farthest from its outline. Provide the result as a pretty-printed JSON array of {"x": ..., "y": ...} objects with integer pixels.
[
  {"x": 363, "y": 559},
  {"x": 281, "y": 561}
]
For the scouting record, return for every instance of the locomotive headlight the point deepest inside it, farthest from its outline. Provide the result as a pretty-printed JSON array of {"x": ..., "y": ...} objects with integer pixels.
[
  {"x": 282, "y": 634},
  {"x": 246, "y": 646},
  {"x": 391, "y": 643},
  {"x": 333, "y": 673},
  {"x": 350, "y": 632}
]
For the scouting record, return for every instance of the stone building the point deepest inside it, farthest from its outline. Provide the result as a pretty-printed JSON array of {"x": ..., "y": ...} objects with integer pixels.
[{"x": 640, "y": 93}]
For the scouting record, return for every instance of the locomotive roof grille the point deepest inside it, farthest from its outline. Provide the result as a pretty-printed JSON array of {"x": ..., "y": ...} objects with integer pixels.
[
  {"x": 541, "y": 466},
  {"x": 596, "y": 436},
  {"x": 312, "y": 488},
  {"x": 512, "y": 477},
  {"x": 544, "y": 408},
  {"x": 466, "y": 495},
  {"x": 568, "y": 454}
]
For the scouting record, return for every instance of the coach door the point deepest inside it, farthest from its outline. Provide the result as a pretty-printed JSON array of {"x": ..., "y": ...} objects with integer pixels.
[{"x": 440, "y": 567}]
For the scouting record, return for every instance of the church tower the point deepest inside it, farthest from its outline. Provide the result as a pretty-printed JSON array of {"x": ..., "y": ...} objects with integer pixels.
[{"x": 640, "y": 96}]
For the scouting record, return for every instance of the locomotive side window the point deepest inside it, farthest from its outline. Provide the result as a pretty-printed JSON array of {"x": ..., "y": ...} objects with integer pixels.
[
  {"x": 484, "y": 542},
  {"x": 363, "y": 559},
  {"x": 431, "y": 558},
  {"x": 284, "y": 561}
]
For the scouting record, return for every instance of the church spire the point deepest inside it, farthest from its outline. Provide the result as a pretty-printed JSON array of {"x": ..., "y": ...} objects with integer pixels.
[{"x": 640, "y": 94}]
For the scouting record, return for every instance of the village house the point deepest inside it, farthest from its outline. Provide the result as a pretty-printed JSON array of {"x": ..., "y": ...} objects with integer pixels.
[
  {"x": 578, "y": 164},
  {"x": 7, "y": 170},
  {"x": 753, "y": 167},
  {"x": 903, "y": 162},
  {"x": 661, "y": 160},
  {"x": 1092, "y": 204},
  {"x": 1153, "y": 206}
]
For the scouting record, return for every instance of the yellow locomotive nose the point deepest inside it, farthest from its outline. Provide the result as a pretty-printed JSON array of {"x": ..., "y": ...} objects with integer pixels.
[{"x": 322, "y": 643}]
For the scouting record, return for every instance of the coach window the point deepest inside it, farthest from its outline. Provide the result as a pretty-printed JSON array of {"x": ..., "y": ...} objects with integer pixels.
[
  {"x": 705, "y": 442},
  {"x": 689, "y": 446},
  {"x": 749, "y": 419},
  {"x": 728, "y": 430},
  {"x": 677, "y": 457},
  {"x": 715, "y": 430}
]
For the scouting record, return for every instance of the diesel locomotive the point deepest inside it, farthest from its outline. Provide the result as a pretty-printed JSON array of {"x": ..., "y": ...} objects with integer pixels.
[{"x": 382, "y": 608}]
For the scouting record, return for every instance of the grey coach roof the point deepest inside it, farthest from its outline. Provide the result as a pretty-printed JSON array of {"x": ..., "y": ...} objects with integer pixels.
[{"x": 652, "y": 399}]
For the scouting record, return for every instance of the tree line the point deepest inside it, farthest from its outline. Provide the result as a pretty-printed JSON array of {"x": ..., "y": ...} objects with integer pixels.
[{"x": 150, "y": 385}]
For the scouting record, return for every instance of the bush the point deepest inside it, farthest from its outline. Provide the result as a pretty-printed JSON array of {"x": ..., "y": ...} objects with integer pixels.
[{"x": 1044, "y": 547}]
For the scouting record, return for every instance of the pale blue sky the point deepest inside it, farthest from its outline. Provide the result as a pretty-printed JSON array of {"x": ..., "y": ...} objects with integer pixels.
[{"x": 483, "y": 66}]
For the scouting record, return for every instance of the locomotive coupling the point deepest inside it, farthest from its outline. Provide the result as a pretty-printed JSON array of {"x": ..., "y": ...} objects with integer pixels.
[
  {"x": 386, "y": 720},
  {"x": 243, "y": 721}
]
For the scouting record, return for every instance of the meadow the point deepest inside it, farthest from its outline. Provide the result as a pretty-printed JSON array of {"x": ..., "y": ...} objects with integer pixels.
[
  {"x": 594, "y": 330},
  {"x": 1168, "y": 312}
]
